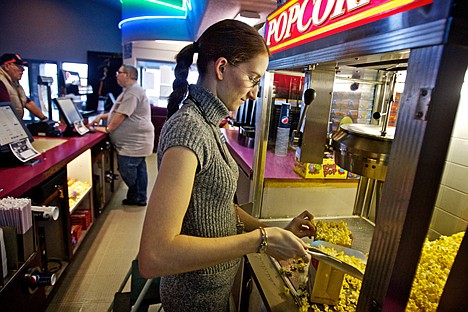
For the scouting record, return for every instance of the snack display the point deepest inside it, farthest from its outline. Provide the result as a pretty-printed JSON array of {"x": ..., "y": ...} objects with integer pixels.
[
  {"x": 433, "y": 269},
  {"x": 76, "y": 190}
]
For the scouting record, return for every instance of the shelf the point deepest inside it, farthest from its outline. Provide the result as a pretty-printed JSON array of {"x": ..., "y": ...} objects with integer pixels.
[
  {"x": 80, "y": 240},
  {"x": 58, "y": 274},
  {"x": 13, "y": 274},
  {"x": 80, "y": 199},
  {"x": 80, "y": 170}
]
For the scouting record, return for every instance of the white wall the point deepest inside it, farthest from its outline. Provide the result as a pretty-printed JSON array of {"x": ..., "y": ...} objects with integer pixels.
[
  {"x": 322, "y": 199},
  {"x": 451, "y": 209},
  {"x": 157, "y": 82},
  {"x": 164, "y": 51}
]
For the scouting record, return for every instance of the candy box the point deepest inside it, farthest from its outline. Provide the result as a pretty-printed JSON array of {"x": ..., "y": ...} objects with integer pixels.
[
  {"x": 326, "y": 170},
  {"x": 79, "y": 219},
  {"x": 76, "y": 231}
]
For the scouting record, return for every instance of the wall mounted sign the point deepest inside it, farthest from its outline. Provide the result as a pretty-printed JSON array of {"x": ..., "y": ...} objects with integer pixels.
[{"x": 300, "y": 21}]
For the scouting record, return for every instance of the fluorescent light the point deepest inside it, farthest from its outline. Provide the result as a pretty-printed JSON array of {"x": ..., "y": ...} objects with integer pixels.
[
  {"x": 248, "y": 17},
  {"x": 146, "y": 18}
]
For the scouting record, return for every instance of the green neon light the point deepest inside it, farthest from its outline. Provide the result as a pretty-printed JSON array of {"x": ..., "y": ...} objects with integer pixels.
[
  {"x": 174, "y": 4},
  {"x": 139, "y": 10}
]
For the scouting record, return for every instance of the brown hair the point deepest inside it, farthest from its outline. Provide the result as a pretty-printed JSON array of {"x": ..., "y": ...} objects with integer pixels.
[{"x": 234, "y": 40}]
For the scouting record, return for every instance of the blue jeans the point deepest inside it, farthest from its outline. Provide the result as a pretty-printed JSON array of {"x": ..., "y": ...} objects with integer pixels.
[{"x": 134, "y": 174}]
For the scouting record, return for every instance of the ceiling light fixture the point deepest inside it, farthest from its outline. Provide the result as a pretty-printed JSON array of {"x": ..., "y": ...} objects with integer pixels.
[{"x": 248, "y": 17}]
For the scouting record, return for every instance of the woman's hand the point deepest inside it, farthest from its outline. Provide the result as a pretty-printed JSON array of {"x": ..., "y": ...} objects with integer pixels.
[
  {"x": 283, "y": 245},
  {"x": 302, "y": 225}
]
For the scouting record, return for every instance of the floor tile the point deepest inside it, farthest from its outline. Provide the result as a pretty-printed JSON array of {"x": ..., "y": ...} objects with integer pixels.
[{"x": 104, "y": 258}]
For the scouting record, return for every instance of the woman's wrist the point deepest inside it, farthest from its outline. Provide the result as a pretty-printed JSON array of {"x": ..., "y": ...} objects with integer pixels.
[{"x": 264, "y": 240}]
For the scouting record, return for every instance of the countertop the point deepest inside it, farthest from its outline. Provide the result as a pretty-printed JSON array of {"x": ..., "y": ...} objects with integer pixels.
[
  {"x": 15, "y": 181},
  {"x": 279, "y": 168},
  {"x": 276, "y": 167}
]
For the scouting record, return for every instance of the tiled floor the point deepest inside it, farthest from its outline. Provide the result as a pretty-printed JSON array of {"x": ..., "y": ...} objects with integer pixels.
[{"x": 105, "y": 256}]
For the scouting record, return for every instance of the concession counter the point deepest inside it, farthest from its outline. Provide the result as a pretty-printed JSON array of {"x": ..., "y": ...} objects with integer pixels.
[
  {"x": 61, "y": 177},
  {"x": 396, "y": 70}
]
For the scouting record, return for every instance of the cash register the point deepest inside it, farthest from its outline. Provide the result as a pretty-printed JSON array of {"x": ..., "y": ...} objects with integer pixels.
[{"x": 72, "y": 117}]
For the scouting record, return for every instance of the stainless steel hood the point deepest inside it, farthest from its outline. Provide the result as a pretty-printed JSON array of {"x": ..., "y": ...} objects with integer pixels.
[{"x": 363, "y": 149}]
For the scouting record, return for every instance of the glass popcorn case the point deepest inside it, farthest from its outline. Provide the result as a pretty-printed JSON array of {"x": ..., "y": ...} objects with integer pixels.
[{"x": 410, "y": 59}]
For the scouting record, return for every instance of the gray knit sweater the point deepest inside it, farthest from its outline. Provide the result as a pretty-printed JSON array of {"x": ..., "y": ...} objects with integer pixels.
[{"x": 210, "y": 212}]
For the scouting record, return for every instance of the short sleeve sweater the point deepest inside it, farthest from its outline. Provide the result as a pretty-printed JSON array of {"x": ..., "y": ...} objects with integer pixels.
[{"x": 195, "y": 126}]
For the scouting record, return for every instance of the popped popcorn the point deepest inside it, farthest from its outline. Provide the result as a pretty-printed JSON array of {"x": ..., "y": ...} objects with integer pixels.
[
  {"x": 434, "y": 267},
  {"x": 334, "y": 232}
]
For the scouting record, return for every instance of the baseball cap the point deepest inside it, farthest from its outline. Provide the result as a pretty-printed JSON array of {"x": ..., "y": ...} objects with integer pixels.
[{"x": 11, "y": 58}]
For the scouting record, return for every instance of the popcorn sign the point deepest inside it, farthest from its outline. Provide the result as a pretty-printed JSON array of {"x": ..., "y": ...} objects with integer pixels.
[{"x": 300, "y": 21}]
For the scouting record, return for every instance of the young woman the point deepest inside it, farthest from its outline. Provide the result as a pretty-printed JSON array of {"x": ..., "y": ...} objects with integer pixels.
[{"x": 190, "y": 234}]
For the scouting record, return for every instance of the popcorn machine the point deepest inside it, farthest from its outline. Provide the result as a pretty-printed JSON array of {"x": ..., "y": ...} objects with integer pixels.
[{"x": 426, "y": 42}]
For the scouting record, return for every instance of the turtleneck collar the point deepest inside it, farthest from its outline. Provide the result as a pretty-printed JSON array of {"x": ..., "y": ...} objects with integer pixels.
[{"x": 214, "y": 109}]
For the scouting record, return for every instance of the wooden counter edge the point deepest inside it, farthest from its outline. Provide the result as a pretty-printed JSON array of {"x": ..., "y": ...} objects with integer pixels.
[{"x": 270, "y": 284}]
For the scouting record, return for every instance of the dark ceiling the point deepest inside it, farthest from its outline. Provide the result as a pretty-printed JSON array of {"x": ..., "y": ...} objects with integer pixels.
[{"x": 115, "y": 4}]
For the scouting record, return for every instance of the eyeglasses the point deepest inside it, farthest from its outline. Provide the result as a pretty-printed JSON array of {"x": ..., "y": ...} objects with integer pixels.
[
  {"x": 20, "y": 67},
  {"x": 120, "y": 72},
  {"x": 254, "y": 80}
]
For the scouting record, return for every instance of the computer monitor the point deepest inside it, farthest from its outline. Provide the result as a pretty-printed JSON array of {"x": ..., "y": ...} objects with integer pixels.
[{"x": 71, "y": 115}]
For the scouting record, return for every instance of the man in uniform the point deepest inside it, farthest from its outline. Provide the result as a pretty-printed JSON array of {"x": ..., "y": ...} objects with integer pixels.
[{"x": 11, "y": 70}]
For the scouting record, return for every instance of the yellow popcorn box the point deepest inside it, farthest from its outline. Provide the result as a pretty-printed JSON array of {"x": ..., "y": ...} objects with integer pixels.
[
  {"x": 326, "y": 170},
  {"x": 326, "y": 281}
]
